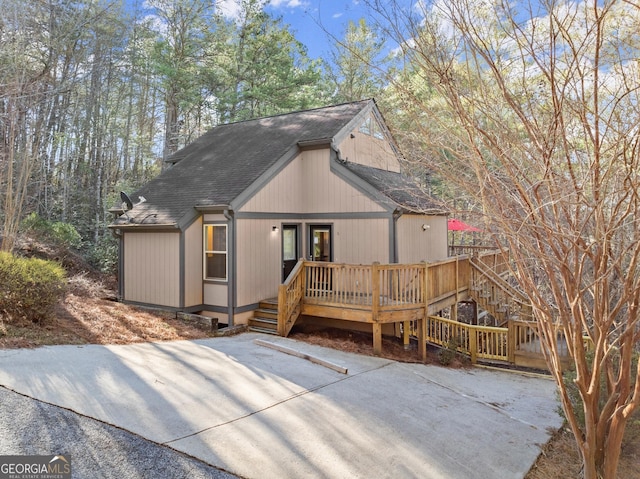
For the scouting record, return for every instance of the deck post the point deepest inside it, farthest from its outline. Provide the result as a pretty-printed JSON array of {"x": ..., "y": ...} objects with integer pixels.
[
  {"x": 377, "y": 339},
  {"x": 406, "y": 341},
  {"x": 283, "y": 309},
  {"x": 422, "y": 323},
  {"x": 454, "y": 308},
  {"x": 511, "y": 341},
  {"x": 422, "y": 338},
  {"x": 473, "y": 344},
  {"x": 375, "y": 307}
]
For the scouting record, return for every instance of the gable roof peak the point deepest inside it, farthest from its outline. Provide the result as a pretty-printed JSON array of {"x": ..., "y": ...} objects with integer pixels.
[
  {"x": 295, "y": 112},
  {"x": 219, "y": 166}
]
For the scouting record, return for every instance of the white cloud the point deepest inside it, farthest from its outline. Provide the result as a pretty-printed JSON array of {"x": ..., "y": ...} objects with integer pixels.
[
  {"x": 230, "y": 8},
  {"x": 286, "y": 3},
  {"x": 337, "y": 15}
]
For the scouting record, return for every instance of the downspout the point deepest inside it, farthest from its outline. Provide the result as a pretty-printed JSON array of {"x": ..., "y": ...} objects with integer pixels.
[
  {"x": 336, "y": 150},
  {"x": 394, "y": 235},
  {"x": 231, "y": 261}
]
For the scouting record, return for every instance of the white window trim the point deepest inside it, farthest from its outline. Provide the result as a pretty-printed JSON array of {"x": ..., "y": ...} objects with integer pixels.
[{"x": 206, "y": 251}]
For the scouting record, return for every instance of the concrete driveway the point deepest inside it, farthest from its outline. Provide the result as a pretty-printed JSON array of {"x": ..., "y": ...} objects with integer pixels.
[{"x": 260, "y": 413}]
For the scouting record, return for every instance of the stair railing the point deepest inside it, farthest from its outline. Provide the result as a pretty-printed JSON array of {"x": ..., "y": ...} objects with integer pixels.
[
  {"x": 497, "y": 296},
  {"x": 290, "y": 294}
]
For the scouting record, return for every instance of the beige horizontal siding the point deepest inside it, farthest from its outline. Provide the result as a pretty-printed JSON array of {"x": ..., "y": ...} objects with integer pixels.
[
  {"x": 215, "y": 294},
  {"x": 361, "y": 241}
]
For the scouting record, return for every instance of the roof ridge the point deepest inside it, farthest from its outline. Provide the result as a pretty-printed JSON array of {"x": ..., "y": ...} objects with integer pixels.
[{"x": 308, "y": 110}]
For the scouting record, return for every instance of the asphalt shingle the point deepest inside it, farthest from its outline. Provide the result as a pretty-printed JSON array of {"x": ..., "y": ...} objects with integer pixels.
[{"x": 225, "y": 161}]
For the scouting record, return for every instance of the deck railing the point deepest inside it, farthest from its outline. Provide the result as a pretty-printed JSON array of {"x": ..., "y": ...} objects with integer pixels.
[
  {"x": 399, "y": 285},
  {"x": 467, "y": 249},
  {"x": 338, "y": 284},
  {"x": 407, "y": 293},
  {"x": 447, "y": 278},
  {"x": 490, "y": 343},
  {"x": 526, "y": 338},
  {"x": 479, "y": 342},
  {"x": 376, "y": 288}
]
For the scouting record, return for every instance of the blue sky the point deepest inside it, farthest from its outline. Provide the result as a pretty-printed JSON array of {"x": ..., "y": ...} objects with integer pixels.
[{"x": 312, "y": 19}]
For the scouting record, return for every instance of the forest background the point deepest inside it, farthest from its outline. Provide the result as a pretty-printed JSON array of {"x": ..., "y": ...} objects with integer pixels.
[
  {"x": 528, "y": 112},
  {"x": 94, "y": 95}
]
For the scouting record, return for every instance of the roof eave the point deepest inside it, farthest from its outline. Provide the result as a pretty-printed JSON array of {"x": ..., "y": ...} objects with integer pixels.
[
  {"x": 144, "y": 227},
  {"x": 420, "y": 211},
  {"x": 214, "y": 208},
  {"x": 315, "y": 143}
]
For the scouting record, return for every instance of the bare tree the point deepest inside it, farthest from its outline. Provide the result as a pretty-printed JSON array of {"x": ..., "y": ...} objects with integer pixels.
[
  {"x": 534, "y": 111},
  {"x": 23, "y": 73}
]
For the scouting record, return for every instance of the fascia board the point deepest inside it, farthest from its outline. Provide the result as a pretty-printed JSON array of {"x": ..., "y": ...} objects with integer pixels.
[
  {"x": 387, "y": 133},
  {"x": 172, "y": 227}
]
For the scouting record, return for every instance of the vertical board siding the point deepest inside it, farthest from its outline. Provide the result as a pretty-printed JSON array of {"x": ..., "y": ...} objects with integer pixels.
[
  {"x": 193, "y": 257},
  {"x": 306, "y": 185},
  {"x": 369, "y": 151},
  {"x": 215, "y": 294},
  {"x": 152, "y": 268},
  {"x": 361, "y": 241},
  {"x": 416, "y": 244},
  {"x": 259, "y": 266}
]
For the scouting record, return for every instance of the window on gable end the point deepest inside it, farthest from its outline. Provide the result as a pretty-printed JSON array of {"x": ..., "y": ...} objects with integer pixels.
[
  {"x": 365, "y": 127},
  {"x": 377, "y": 131}
]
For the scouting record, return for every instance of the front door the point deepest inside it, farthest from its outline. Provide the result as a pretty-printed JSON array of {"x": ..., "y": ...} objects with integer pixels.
[
  {"x": 290, "y": 249},
  {"x": 321, "y": 245}
]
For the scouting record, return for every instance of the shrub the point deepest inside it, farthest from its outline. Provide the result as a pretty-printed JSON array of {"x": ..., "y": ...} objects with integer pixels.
[
  {"x": 449, "y": 351},
  {"x": 30, "y": 287},
  {"x": 104, "y": 254},
  {"x": 58, "y": 232}
]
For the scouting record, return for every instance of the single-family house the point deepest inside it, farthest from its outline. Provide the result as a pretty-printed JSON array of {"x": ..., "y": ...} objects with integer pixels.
[{"x": 222, "y": 227}]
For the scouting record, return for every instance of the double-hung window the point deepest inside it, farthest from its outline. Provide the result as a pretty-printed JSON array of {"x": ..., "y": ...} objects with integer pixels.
[{"x": 215, "y": 252}]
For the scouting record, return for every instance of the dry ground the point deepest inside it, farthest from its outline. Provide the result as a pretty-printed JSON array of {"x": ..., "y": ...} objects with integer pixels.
[{"x": 88, "y": 314}]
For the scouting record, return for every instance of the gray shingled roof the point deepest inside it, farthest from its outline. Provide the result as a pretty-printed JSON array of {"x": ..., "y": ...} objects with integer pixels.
[
  {"x": 400, "y": 189},
  {"x": 224, "y": 162}
]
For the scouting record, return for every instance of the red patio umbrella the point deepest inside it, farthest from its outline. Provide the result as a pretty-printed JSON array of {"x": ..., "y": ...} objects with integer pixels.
[{"x": 454, "y": 224}]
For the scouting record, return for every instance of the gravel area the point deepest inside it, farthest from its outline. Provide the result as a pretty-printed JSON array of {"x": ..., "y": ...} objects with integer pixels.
[{"x": 97, "y": 450}]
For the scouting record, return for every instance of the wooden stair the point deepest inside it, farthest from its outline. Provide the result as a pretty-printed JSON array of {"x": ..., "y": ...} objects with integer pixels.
[
  {"x": 265, "y": 318},
  {"x": 496, "y": 296}
]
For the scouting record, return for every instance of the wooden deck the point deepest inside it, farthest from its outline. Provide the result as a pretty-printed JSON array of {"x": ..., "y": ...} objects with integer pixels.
[{"x": 413, "y": 294}]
